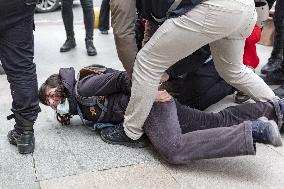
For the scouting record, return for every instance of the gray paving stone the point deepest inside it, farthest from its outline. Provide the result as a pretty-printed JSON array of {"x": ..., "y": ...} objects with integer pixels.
[
  {"x": 69, "y": 150},
  {"x": 145, "y": 175},
  {"x": 75, "y": 149},
  {"x": 264, "y": 170},
  {"x": 53, "y": 157},
  {"x": 280, "y": 149},
  {"x": 16, "y": 171}
]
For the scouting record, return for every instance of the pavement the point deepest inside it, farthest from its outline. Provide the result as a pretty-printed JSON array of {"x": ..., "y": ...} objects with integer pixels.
[{"x": 73, "y": 157}]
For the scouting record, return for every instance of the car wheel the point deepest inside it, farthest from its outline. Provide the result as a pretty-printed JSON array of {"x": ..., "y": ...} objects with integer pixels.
[{"x": 47, "y": 5}]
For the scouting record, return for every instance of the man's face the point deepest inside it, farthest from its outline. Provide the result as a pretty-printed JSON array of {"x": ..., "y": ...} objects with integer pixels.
[{"x": 52, "y": 98}]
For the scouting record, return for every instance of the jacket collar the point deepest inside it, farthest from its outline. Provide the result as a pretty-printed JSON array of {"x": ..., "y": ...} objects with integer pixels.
[{"x": 68, "y": 79}]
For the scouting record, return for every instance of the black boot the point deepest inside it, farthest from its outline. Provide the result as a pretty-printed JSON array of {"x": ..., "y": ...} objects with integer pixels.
[
  {"x": 275, "y": 77},
  {"x": 2, "y": 72},
  {"x": 91, "y": 50},
  {"x": 69, "y": 44},
  {"x": 266, "y": 131},
  {"x": 116, "y": 135},
  {"x": 274, "y": 62},
  {"x": 24, "y": 141},
  {"x": 22, "y": 135}
]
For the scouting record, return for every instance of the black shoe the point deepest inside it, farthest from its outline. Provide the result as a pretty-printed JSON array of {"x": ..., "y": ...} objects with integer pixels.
[
  {"x": 266, "y": 131},
  {"x": 91, "y": 50},
  {"x": 24, "y": 141},
  {"x": 274, "y": 63},
  {"x": 104, "y": 32},
  {"x": 274, "y": 78},
  {"x": 116, "y": 135},
  {"x": 2, "y": 72},
  {"x": 69, "y": 44},
  {"x": 241, "y": 97}
]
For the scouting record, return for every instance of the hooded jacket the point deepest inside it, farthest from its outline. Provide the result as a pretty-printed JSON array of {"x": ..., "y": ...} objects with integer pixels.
[{"x": 114, "y": 86}]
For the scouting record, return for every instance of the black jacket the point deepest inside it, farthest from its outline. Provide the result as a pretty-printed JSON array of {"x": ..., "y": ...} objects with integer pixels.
[
  {"x": 113, "y": 85},
  {"x": 159, "y": 8}
]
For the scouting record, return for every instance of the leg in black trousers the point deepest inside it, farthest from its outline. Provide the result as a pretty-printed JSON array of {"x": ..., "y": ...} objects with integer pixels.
[
  {"x": 17, "y": 54},
  {"x": 67, "y": 16},
  {"x": 275, "y": 62},
  {"x": 104, "y": 17},
  {"x": 89, "y": 17}
]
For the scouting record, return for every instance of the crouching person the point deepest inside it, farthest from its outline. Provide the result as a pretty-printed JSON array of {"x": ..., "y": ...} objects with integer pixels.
[{"x": 177, "y": 132}]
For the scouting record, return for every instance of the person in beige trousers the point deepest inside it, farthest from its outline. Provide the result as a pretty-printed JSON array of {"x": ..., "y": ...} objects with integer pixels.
[{"x": 223, "y": 24}]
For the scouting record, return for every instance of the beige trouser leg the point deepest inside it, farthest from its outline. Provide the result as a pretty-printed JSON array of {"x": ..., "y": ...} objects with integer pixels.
[{"x": 224, "y": 24}]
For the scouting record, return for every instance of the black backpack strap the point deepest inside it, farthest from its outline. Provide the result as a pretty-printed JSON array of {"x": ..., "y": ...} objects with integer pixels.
[
  {"x": 173, "y": 7},
  {"x": 91, "y": 101}
]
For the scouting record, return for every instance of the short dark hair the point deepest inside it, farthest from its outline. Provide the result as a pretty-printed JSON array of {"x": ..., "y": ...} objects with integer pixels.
[{"x": 53, "y": 81}]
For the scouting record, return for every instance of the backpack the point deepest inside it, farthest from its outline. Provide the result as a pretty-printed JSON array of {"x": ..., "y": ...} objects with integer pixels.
[
  {"x": 96, "y": 69},
  {"x": 94, "y": 102}
]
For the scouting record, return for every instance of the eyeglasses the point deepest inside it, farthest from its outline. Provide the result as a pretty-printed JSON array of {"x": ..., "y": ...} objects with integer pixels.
[{"x": 53, "y": 96}]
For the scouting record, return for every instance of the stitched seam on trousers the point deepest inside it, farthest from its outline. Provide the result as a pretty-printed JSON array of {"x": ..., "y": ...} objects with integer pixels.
[
  {"x": 155, "y": 40},
  {"x": 206, "y": 141},
  {"x": 248, "y": 131}
]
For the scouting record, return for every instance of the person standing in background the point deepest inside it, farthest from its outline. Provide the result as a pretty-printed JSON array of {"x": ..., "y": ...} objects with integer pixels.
[{"x": 89, "y": 16}]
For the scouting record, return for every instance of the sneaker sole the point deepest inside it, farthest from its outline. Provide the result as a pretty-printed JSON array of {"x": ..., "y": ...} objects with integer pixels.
[{"x": 128, "y": 144}]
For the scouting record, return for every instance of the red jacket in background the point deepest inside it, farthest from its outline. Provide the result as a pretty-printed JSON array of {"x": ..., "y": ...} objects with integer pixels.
[{"x": 250, "y": 56}]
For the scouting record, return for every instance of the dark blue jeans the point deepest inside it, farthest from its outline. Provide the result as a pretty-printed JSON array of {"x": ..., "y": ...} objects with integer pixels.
[
  {"x": 67, "y": 16},
  {"x": 17, "y": 54}
]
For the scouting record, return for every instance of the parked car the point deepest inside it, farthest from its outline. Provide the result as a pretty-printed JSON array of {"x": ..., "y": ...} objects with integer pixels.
[{"x": 47, "y": 5}]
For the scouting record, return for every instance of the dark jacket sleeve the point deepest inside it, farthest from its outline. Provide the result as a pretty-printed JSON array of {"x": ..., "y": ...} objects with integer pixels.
[{"x": 105, "y": 84}]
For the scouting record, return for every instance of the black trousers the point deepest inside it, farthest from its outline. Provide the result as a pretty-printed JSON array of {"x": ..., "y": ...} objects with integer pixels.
[
  {"x": 279, "y": 27},
  {"x": 17, "y": 54},
  {"x": 67, "y": 16},
  {"x": 204, "y": 87},
  {"x": 104, "y": 16}
]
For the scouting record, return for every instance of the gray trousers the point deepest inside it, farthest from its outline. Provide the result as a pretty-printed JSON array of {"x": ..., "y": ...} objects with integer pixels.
[
  {"x": 181, "y": 134},
  {"x": 224, "y": 25}
]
